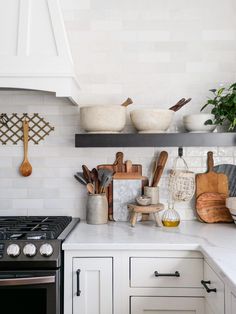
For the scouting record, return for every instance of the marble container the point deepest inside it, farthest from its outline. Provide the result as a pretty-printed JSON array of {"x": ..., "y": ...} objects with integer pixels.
[
  {"x": 97, "y": 209},
  {"x": 153, "y": 193},
  {"x": 151, "y": 120},
  {"x": 103, "y": 119}
]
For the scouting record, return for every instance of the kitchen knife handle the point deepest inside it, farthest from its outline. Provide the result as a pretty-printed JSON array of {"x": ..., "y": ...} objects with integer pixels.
[
  {"x": 78, "y": 292},
  {"x": 205, "y": 283},
  {"x": 175, "y": 274}
]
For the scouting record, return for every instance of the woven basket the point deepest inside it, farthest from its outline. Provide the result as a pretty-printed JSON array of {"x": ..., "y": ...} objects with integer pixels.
[{"x": 181, "y": 182}]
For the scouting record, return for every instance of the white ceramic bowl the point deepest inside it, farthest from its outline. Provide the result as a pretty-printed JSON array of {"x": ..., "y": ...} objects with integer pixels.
[
  {"x": 151, "y": 120},
  {"x": 231, "y": 205},
  {"x": 103, "y": 119},
  {"x": 195, "y": 123},
  {"x": 143, "y": 200}
]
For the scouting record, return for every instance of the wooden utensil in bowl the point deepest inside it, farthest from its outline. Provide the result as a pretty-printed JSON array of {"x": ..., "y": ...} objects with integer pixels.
[
  {"x": 182, "y": 102},
  {"x": 26, "y": 168},
  {"x": 126, "y": 103}
]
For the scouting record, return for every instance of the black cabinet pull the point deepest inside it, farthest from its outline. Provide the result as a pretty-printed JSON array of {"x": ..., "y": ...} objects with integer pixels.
[
  {"x": 78, "y": 292},
  {"x": 176, "y": 274},
  {"x": 205, "y": 283}
]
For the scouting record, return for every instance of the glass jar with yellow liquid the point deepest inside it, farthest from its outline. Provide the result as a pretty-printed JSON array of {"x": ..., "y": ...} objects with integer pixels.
[{"x": 170, "y": 217}]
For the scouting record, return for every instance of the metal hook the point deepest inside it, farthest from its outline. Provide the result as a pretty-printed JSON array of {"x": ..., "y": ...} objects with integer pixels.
[{"x": 180, "y": 152}]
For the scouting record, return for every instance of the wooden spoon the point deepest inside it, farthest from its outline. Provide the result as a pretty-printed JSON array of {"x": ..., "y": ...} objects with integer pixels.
[
  {"x": 94, "y": 177},
  {"x": 161, "y": 162},
  {"x": 90, "y": 188},
  {"x": 26, "y": 168},
  {"x": 180, "y": 104},
  {"x": 87, "y": 174}
]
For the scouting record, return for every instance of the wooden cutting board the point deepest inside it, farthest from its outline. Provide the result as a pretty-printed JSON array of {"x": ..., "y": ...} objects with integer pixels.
[
  {"x": 230, "y": 171},
  {"x": 211, "y": 193},
  {"x": 211, "y": 181},
  {"x": 117, "y": 166},
  {"x": 211, "y": 208}
]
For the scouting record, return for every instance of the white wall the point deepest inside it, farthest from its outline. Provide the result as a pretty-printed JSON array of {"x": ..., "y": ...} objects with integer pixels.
[{"x": 155, "y": 51}]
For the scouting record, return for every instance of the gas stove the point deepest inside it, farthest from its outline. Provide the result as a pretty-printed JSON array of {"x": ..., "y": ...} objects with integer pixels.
[
  {"x": 31, "y": 263},
  {"x": 32, "y": 228},
  {"x": 33, "y": 241}
]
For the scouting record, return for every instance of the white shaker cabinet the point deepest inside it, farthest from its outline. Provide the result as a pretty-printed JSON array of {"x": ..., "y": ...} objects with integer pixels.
[
  {"x": 167, "y": 305},
  {"x": 92, "y": 285},
  {"x": 214, "y": 291},
  {"x": 230, "y": 301}
]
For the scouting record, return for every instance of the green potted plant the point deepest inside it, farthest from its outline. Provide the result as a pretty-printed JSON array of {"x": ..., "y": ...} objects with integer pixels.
[{"x": 224, "y": 107}]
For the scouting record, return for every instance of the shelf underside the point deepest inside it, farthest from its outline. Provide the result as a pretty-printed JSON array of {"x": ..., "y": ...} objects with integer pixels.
[{"x": 155, "y": 140}]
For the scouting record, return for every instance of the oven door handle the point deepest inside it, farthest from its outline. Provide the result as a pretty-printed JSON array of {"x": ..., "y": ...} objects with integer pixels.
[{"x": 27, "y": 281}]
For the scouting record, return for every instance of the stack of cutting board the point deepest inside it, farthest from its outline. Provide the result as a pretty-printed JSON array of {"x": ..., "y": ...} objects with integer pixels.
[
  {"x": 211, "y": 193},
  {"x": 122, "y": 170}
]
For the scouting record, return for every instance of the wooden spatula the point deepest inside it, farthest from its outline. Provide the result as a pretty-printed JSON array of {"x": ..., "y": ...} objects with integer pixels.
[
  {"x": 160, "y": 165},
  {"x": 26, "y": 168},
  {"x": 211, "y": 181}
]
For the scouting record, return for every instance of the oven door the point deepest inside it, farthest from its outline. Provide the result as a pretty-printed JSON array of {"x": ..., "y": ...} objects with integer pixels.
[{"x": 27, "y": 292}]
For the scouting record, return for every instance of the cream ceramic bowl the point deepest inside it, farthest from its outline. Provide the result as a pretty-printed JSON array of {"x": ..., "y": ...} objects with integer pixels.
[
  {"x": 151, "y": 120},
  {"x": 195, "y": 123},
  {"x": 231, "y": 205},
  {"x": 103, "y": 119}
]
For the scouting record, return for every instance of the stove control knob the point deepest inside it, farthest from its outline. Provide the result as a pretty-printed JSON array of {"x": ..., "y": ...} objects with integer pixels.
[
  {"x": 46, "y": 249},
  {"x": 29, "y": 250},
  {"x": 13, "y": 250}
]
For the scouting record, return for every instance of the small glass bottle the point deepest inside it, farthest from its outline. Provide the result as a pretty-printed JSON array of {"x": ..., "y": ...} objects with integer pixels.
[{"x": 170, "y": 217}]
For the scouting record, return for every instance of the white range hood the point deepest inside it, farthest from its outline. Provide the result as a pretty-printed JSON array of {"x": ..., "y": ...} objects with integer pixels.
[{"x": 34, "y": 50}]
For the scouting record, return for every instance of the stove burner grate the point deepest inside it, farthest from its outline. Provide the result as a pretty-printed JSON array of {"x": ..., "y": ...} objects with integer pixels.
[{"x": 32, "y": 227}]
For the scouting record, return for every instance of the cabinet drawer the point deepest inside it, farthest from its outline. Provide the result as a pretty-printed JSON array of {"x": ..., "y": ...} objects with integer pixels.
[
  {"x": 215, "y": 300},
  {"x": 167, "y": 305},
  {"x": 163, "y": 272}
]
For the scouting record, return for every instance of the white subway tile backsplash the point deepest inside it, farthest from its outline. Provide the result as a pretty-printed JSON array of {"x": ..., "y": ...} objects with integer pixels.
[
  {"x": 27, "y": 203},
  {"x": 156, "y": 52},
  {"x": 13, "y": 193},
  {"x": 220, "y": 35},
  {"x": 224, "y": 160},
  {"x": 225, "y": 151}
]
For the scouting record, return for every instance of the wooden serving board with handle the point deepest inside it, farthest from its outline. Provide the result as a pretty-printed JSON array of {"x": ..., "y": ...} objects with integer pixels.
[
  {"x": 211, "y": 192},
  {"x": 117, "y": 166},
  {"x": 211, "y": 181}
]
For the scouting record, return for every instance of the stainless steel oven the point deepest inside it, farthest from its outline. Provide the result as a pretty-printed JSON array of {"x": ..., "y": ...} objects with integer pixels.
[
  {"x": 32, "y": 263},
  {"x": 27, "y": 292}
]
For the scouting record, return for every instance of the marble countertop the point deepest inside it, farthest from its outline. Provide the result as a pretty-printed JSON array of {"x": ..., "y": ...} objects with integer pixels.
[{"x": 217, "y": 242}]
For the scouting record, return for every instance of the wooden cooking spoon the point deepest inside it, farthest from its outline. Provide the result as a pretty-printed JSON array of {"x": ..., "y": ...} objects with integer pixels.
[
  {"x": 26, "y": 168},
  {"x": 160, "y": 165}
]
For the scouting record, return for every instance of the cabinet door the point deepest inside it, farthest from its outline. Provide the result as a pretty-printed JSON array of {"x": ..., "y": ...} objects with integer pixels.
[
  {"x": 92, "y": 286},
  {"x": 167, "y": 305},
  {"x": 231, "y": 303},
  {"x": 214, "y": 300}
]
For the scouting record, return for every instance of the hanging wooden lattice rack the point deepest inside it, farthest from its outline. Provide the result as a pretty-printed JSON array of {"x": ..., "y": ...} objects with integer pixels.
[{"x": 11, "y": 128}]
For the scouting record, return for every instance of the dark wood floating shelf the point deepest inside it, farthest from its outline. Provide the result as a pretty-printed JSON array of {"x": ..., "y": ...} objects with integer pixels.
[{"x": 155, "y": 140}]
